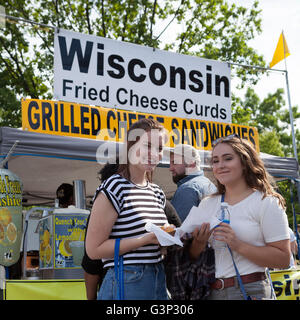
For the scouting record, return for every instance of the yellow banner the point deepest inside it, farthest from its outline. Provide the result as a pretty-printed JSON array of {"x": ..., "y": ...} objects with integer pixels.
[
  {"x": 45, "y": 290},
  {"x": 286, "y": 284},
  {"x": 84, "y": 121}
]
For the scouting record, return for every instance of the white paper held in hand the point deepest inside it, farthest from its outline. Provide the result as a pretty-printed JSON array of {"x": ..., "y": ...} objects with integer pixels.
[
  {"x": 162, "y": 236},
  {"x": 195, "y": 219}
]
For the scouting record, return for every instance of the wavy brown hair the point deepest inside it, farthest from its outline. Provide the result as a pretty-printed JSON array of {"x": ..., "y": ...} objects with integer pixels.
[
  {"x": 146, "y": 125},
  {"x": 255, "y": 173}
]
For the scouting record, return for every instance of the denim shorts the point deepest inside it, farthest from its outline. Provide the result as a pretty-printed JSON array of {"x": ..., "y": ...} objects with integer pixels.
[{"x": 141, "y": 282}]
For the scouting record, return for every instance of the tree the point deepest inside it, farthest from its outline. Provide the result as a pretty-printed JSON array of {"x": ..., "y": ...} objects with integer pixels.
[
  {"x": 275, "y": 147},
  {"x": 209, "y": 28},
  {"x": 271, "y": 119},
  {"x": 10, "y": 115}
]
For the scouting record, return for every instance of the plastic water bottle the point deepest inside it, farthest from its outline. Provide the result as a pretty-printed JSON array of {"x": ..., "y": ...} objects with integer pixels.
[{"x": 223, "y": 215}]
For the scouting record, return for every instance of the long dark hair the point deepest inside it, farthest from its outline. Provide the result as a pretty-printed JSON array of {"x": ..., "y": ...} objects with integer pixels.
[
  {"x": 145, "y": 124},
  {"x": 108, "y": 170},
  {"x": 256, "y": 176}
]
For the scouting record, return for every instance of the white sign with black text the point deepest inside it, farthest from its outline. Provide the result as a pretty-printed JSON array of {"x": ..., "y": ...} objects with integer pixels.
[{"x": 109, "y": 73}]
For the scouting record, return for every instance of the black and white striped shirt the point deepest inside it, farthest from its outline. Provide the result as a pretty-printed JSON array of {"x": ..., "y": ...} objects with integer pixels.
[{"x": 135, "y": 206}]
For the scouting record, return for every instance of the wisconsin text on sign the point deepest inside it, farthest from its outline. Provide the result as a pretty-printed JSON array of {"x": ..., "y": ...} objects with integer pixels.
[{"x": 138, "y": 71}]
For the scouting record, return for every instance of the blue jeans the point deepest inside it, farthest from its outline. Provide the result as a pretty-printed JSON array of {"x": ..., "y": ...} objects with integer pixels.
[{"x": 141, "y": 282}]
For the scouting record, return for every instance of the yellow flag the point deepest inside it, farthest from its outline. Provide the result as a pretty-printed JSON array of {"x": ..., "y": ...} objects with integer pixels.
[{"x": 281, "y": 51}]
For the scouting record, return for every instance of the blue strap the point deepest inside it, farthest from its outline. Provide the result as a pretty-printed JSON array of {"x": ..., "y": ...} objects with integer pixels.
[
  {"x": 295, "y": 220},
  {"x": 223, "y": 213},
  {"x": 235, "y": 267},
  {"x": 118, "y": 266},
  {"x": 246, "y": 297}
]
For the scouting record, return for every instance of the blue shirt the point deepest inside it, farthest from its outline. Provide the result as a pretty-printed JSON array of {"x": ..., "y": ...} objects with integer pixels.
[{"x": 190, "y": 191}]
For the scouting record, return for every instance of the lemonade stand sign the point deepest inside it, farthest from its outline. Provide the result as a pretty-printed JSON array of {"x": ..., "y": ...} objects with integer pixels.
[
  {"x": 10, "y": 217},
  {"x": 62, "y": 240},
  {"x": 69, "y": 233},
  {"x": 61, "y": 237}
]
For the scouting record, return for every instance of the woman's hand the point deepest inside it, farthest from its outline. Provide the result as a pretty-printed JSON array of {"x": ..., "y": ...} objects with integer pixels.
[
  {"x": 149, "y": 238},
  {"x": 225, "y": 233},
  {"x": 201, "y": 235},
  {"x": 200, "y": 238}
]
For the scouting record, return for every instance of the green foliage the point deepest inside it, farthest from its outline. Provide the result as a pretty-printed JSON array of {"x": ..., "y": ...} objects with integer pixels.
[
  {"x": 275, "y": 147},
  {"x": 11, "y": 107},
  {"x": 220, "y": 31},
  {"x": 288, "y": 190},
  {"x": 271, "y": 118}
]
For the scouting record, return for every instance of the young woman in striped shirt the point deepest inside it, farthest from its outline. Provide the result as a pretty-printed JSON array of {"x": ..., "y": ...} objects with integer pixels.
[{"x": 123, "y": 204}]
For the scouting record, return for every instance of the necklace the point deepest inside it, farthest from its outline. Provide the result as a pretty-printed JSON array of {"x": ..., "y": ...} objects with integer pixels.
[{"x": 236, "y": 198}]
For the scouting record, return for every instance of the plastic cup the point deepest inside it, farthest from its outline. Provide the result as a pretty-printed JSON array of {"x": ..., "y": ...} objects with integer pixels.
[{"x": 77, "y": 248}]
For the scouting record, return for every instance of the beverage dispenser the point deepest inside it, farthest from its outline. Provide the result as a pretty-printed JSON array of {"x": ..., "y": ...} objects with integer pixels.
[
  {"x": 11, "y": 219},
  {"x": 61, "y": 235}
]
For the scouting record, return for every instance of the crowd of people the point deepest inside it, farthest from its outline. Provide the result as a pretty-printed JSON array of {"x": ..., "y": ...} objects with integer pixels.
[{"x": 256, "y": 239}]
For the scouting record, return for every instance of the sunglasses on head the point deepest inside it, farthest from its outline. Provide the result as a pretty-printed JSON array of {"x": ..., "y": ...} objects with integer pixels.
[{"x": 231, "y": 136}]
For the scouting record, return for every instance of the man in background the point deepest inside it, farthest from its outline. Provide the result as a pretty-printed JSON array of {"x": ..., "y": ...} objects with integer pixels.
[
  {"x": 64, "y": 194},
  {"x": 192, "y": 185}
]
